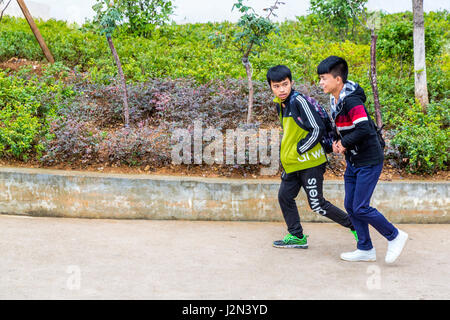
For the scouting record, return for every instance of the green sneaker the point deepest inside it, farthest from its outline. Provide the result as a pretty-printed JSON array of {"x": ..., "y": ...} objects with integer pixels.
[
  {"x": 354, "y": 234},
  {"x": 291, "y": 241}
]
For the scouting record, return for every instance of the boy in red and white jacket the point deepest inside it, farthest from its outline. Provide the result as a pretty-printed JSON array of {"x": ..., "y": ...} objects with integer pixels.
[{"x": 357, "y": 138}]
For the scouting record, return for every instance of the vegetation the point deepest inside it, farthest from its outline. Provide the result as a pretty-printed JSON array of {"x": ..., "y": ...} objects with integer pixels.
[
  {"x": 177, "y": 73},
  {"x": 341, "y": 14},
  {"x": 254, "y": 33}
]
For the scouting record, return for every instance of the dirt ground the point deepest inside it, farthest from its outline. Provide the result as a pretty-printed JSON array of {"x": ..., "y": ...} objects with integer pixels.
[
  {"x": 217, "y": 171},
  {"x": 15, "y": 64}
]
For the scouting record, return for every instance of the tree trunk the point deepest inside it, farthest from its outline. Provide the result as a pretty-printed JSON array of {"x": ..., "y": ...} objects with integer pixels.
[
  {"x": 36, "y": 32},
  {"x": 248, "y": 68},
  {"x": 420, "y": 68},
  {"x": 122, "y": 80},
  {"x": 373, "y": 78}
]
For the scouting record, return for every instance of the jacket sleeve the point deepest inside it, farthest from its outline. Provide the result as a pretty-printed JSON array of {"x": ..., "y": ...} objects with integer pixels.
[
  {"x": 336, "y": 136},
  {"x": 360, "y": 120},
  {"x": 312, "y": 123}
]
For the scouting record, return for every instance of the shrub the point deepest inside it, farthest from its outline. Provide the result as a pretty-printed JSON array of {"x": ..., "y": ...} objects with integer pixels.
[
  {"x": 396, "y": 35},
  {"x": 70, "y": 140},
  {"x": 423, "y": 143},
  {"x": 77, "y": 142},
  {"x": 19, "y": 130},
  {"x": 140, "y": 145},
  {"x": 177, "y": 75},
  {"x": 26, "y": 107}
]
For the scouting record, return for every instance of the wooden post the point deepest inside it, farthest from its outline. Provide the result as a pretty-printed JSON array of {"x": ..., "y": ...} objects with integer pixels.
[{"x": 35, "y": 30}]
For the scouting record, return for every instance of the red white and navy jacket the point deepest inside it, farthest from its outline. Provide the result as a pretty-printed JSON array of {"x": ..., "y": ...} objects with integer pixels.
[{"x": 355, "y": 128}]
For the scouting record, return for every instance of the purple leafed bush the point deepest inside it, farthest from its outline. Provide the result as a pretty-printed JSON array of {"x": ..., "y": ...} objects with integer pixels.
[
  {"x": 90, "y": 129},
  {"x": 140, "y": 145},
  {"x": 72, "y": 141}
]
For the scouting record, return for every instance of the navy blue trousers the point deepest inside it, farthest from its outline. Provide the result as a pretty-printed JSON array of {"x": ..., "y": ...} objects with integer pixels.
[{"x": 359, "y": 186}]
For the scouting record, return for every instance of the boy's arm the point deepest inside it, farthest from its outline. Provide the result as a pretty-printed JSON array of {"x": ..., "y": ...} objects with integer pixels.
[
  {"x": 312, "y": 123},
  {"x": 360, "y": 120}
]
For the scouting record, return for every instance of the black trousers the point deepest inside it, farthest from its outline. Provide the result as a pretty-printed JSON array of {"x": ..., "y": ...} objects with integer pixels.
[{"x": 312, "y": 182}]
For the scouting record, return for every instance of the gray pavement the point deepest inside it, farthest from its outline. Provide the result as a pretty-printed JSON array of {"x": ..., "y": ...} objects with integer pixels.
[{"x": 57, "y": 258}]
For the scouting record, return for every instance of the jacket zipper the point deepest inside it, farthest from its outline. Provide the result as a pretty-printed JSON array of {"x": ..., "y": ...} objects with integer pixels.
[{"x": 337, "y": 130}]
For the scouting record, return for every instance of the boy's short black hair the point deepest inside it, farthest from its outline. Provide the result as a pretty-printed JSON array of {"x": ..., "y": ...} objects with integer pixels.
[
  {"x": 278, "y": 74},
  {"x": 336, "y": 66}
]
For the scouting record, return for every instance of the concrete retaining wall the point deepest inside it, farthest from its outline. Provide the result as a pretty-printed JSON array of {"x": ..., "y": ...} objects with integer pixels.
[{"x": 39, "y": 192}]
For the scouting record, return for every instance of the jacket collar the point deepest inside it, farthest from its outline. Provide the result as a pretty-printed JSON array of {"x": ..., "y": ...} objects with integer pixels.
[
  {"x": 348, "y": 89},
  {"x": 279, "y": 101}
]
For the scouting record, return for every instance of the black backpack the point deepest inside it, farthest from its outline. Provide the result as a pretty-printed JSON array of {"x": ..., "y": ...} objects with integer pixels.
[
  {"x": 327, "y": 139},
  {"x": 380, "y": 135},
  {"x": 378, "y": 130}
]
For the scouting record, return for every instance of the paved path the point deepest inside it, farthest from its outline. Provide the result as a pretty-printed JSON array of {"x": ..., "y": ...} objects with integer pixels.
[{"x": 53, "y": 258}]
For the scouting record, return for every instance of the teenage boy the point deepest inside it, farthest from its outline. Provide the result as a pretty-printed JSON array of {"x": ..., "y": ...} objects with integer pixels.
[
  {"x": 302, "y": 157},
  {"x": 357, "y": 139}
]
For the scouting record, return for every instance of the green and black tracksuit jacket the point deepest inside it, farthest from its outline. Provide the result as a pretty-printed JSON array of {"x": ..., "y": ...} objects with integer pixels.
[{"x": 302, "y": 132}]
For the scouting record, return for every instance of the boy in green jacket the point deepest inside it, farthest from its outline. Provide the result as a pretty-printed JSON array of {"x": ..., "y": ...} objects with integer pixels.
[{"x": 302, "y": 157}]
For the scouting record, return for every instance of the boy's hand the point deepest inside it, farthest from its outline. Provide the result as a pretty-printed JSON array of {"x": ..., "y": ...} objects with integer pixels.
[
  {"x": 335, "y": 148},
  {"x": 340, "y": 147}
]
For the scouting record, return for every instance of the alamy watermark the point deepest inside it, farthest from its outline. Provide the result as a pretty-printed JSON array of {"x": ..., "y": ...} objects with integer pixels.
[
  {"x": 374, "y": 280},
  {"x": 74, "y": 280},
  {"x": 240, "y": 145}
]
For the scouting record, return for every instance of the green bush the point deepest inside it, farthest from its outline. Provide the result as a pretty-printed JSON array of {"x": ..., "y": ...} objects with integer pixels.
[
  {"x": 422, "y": 141},
  {"x": 26, "y": 107},
  {"x": 19, "y": 130},
  {"x": 187, "y": 51},
  {"x": 396, "y": 35}
]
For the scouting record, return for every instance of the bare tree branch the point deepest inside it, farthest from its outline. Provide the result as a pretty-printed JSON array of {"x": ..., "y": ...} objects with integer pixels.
[
  {"x": 273, "y": 8},
  {"x": 1, "y": 16},
  {"x": 357, "y": 18}
]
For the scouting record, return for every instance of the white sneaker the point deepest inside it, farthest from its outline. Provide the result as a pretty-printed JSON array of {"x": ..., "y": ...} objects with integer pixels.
[
  {"x": 360, "y": 255},
  {"x": 396, "y": 246}
]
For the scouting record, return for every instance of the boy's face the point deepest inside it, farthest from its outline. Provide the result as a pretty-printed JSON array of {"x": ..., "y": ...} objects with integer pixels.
[
  {"x": 329, "y": 83},
  {"x": 282, "y": 89}
]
